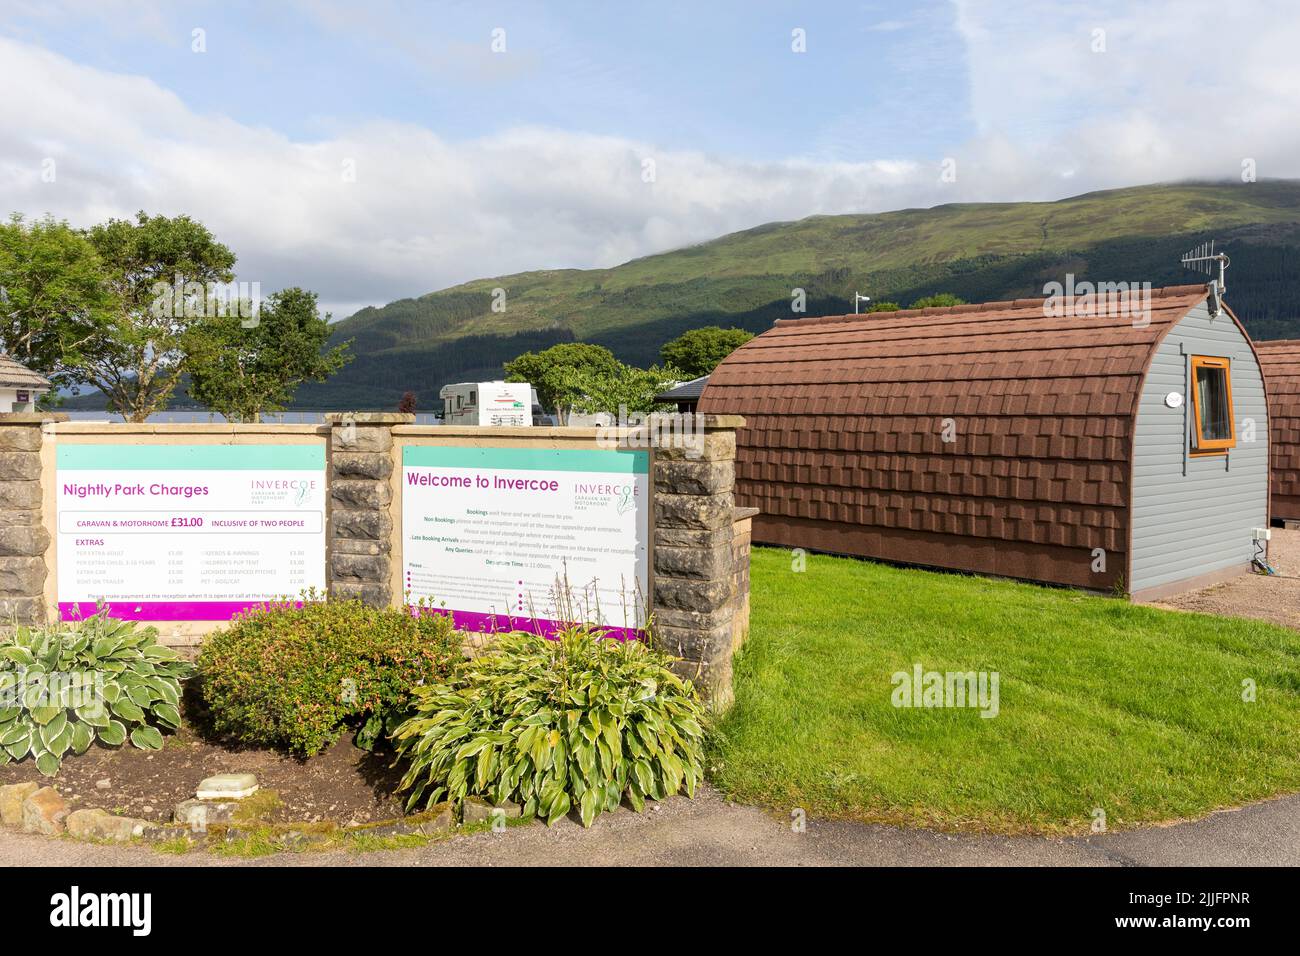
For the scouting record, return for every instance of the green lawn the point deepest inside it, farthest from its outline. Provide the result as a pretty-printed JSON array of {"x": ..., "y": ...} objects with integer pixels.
[{"x": 1102, "y": 704}]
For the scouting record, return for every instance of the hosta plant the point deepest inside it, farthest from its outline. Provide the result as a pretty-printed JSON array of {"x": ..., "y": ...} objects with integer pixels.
[
  {"x": 65, "y": 685},
  {"x": 576, "y": 723}
]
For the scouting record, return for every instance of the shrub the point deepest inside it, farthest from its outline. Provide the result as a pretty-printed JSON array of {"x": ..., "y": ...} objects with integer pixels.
[
  {"x": 284, "y": 675},
  {"x": 65, "y": 685},
  {"x": 554, "y": 725}
]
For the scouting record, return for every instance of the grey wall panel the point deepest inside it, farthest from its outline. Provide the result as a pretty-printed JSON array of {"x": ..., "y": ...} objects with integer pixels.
[{"x": 1194, "y": 515}]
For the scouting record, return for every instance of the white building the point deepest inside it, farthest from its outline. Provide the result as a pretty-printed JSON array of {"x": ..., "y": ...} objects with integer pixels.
[{"x": 20, "y": 387}]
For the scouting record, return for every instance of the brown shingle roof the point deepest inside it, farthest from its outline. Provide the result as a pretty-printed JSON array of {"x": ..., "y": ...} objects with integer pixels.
[
  {"x": 845, "y": 418},
  {"x": 15, "y": 375},
  {"x": 1280, "y": 363}
]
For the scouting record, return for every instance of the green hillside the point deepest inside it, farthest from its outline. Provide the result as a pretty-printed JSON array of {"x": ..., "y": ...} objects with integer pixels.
[{"x": 980, "y": 251}]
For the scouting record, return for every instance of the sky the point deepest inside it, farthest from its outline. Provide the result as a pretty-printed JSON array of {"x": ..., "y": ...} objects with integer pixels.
[{"x": 379, "y": 150}]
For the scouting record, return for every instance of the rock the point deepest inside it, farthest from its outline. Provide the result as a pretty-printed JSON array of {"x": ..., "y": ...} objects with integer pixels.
[
  {"x": 198, "y": 815},
  {"x": 436, "y": 820},
  {"x": 102, "y": 825},
  {"x": 28, "y": 541},
  {"x": 44, "y": 812},
  {"x": 103, "y": 784},
  {"x": 11, "y": 801},
  {"x": 82, "y": 823},
  {"x": 296, "y": 839},
  {"x": 22, "y": 575},
  {"x": 360, "y": 567},
  {"x": 478, "y": 810},
  {"x": 430, "y": 822},
  {"x": 162, "y": 831},
  {"x": 227, "y": 786}
]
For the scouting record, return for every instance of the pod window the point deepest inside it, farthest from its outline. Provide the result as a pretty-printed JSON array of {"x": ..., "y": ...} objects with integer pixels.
[{"x": 1212, "y": 404}]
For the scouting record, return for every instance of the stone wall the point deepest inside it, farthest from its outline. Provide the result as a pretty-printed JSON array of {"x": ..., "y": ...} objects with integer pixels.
[
  {"x": 699, "y": 547},
  {"x": 694, "y": 559},
  {"x": 23, "y": 536},
  {"x": 360, "y": 522},
  {"x": 742, "y": 535}
]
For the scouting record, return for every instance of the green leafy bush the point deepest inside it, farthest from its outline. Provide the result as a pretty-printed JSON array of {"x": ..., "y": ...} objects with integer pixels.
[
  {"x": 554, "y": 725},
  {"x": 284, "y": 675},
  {"x": 63, "y": 686}
]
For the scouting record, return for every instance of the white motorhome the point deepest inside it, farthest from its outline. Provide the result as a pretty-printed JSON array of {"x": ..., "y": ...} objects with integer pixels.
[{"x": 487, "y": 403}]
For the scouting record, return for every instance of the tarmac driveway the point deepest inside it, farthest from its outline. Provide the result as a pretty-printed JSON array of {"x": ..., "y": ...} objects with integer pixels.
[{"x": 708, "y": 831}]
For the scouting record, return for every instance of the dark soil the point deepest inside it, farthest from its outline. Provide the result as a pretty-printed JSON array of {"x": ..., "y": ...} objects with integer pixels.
[{"x": 343, "y": 784}]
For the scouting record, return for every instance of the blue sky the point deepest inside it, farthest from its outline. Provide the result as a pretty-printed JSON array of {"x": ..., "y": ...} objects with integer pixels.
[
  {"x": 382, "y": 150},
  {"x": 711, "y": 76}
]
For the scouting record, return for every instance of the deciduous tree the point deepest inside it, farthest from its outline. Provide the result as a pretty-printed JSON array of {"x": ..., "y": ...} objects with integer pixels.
[
  {"x": 54, "y": 300},
  {"x": 699, "y": 351},
  {"x": 562, "y": 373},
  {"x": 138, "y": 357},
  {"x": 258, "y": 364}
]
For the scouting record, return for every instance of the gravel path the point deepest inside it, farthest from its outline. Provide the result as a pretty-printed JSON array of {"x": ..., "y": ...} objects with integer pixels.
[
  {"x": 1275, "y": 599},
  {"x": 708, "y": 831}
]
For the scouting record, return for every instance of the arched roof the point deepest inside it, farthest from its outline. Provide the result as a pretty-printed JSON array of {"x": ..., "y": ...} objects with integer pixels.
[
  {"x": 845, "y": 420},
  {"x": 1280, "y": 363}
]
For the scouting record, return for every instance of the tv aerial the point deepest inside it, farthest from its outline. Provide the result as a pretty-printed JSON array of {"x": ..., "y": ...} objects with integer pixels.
[{"x": 1213, "y": 264}]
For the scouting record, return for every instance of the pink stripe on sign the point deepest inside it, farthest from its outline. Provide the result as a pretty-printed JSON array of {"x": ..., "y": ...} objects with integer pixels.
[
  {"x": 158, "y": 610},
  {"x": 478, "y": 621}
]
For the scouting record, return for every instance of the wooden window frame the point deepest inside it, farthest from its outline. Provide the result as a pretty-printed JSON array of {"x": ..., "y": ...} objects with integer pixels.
[{"x": 1214, "y": 446}]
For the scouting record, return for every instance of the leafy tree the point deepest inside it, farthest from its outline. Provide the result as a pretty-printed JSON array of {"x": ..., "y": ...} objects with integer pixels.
[
  {"x": 626, "y": 388},
  {"x": 562, "y": 373},
  {"x": 884, "y": 307},
  {"x": 258, "y": 363},
  {"x": 699, "y": 351},
  {"x": 138, "y": 358},
  {"x": 53, "y": 297},
  {"x": 407, "y": 404},
  {"x": 941, "y": 301}
]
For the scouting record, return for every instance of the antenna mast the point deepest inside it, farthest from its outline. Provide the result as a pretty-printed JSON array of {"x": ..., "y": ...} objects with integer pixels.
[
  {"x": 857, "y": 299},
  {"x": 1203, "y": 259}
]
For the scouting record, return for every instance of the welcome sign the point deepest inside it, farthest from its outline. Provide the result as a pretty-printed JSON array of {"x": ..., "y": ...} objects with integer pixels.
[
  {"x": 510, "y": 537},
  {"x": 187, "y": 532}
]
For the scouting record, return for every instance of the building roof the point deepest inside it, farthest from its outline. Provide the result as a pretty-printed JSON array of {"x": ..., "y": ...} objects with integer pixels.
[
  {"x": 684, "y": 391},
  {"x": 1280, "y": 363},
  {"x": 14, "y": 375},
  {"x": 845, "y": 419}
]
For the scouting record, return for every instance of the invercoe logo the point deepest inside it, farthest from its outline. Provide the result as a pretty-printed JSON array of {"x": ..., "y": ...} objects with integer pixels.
[
  {"x": 83, "y": 690},
  {"x": 656, "y": 430},
  {"x": 74, "y": 909},
  {"x": 1113, "y": 299},
  {"x": 922, "y": 688}
]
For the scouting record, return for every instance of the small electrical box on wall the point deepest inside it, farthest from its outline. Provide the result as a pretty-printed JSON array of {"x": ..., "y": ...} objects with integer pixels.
[{"x": 1263, "y": 534}]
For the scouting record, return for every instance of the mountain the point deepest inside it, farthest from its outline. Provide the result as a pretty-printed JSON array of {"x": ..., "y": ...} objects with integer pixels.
[{"x": 980, "y": 251}]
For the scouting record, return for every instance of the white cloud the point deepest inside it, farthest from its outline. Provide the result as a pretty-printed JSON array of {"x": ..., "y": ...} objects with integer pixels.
[
  {"x": 1178, "y": 93},
  {"x": 421, "y": 214}
]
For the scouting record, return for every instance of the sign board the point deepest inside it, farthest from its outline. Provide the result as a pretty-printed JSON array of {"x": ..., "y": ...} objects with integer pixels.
[
  {"x": 187, "y": 532},
  {"x": 509, "y": 537}
]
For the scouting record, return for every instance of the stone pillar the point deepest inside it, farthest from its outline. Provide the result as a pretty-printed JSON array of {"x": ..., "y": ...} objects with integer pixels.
[
  {"x": 23, "y": 538},
  {"x": 694, "y": 556},
  {"x": 361, "y": 523},
  {"x": 742, "y": 533}
]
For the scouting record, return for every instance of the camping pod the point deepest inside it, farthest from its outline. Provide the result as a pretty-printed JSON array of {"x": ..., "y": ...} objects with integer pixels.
[
  {"x": 1281, "y": 364},
  {"x": 1116, "y": 443}
]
